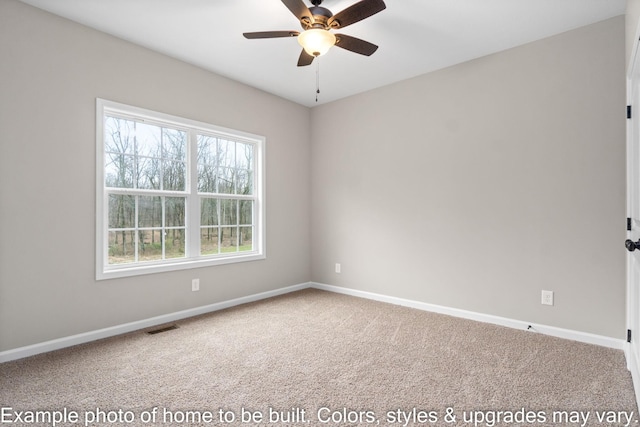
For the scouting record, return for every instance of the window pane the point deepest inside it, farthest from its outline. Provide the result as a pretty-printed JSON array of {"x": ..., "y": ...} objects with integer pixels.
[
  {"x": 148, "y": 142},
  {"x": 119, "y": 170},
  {"x": 246, "y": 212},
  {"x": 227, "y": 153},
  {"x": 228, "y": 239},
  {"x": 174, "y": 212},
  {"x": 119, "y": 135},
  {"x": 121, "y": 247},
  {"x": 244, "y": 182},
  {"x": 207, "y": 150},
  {"x": 121, "y": 211},
  {"x": 208, "y": 240},
  {"x": 174, "y": 144},
  {"x": 174, "y": 242},
  {"x": 209, "y": 211},
  {"x": 149, "y": 211},
  {"x": 226, "y": 180},
  {"x": 150, "y": 245},
  {"x": 174, "y": 175},
  {"x": 207, "y": 164},
  {"x": 207, "y": 179},
  {"x": 148, "y": 173},
  {"x": 245, "y": 241},
  {"x": 244, "y": 156},
  {"x": 228, "y": 212}
]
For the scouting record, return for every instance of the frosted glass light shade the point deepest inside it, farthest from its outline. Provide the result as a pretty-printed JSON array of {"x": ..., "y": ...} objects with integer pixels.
[{"x": 316, "y": 41}]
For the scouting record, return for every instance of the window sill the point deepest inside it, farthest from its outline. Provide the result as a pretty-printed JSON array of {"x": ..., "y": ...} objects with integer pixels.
[{"x": 115, "y": 272}]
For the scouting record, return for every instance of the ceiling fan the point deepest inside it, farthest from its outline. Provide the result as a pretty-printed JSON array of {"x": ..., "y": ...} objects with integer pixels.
[{"x": 316, "y": 21}]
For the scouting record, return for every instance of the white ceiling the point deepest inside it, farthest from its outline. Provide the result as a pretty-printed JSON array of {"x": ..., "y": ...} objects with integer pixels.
[{"x": 415, "y": 36}]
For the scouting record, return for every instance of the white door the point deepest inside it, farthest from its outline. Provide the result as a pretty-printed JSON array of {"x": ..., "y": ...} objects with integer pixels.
[{"x": 633, "y": 222}]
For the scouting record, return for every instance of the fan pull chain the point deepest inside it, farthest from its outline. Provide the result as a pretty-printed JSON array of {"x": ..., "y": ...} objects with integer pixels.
[{"x": 317, "y": 78}]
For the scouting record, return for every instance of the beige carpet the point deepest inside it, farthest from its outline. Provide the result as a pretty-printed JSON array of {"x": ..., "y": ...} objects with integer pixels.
[{"x": 316, "y": 358}]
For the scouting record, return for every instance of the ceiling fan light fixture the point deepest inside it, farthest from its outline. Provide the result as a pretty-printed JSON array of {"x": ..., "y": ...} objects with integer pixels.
[{"x": 316, "y": 41}]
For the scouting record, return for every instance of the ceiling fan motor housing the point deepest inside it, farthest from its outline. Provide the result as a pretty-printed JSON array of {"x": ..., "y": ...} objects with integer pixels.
[{"x": 320, "y": 17}]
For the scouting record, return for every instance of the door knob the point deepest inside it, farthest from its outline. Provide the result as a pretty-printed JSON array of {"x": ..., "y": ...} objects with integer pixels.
[{"x": 631, "y": 245}]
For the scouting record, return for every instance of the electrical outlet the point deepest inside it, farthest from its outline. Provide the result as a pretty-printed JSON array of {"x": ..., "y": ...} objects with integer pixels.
[
  {"x": 195, "y": 285},
  {"x": 547, "y": 297},
  {"x": 337, "y": 268}
]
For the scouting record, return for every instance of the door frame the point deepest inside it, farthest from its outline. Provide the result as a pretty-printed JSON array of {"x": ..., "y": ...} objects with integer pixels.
[{"x": 632, "y": 349}]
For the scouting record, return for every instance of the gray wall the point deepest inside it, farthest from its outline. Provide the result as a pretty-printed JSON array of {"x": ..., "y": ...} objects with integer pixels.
[
  {"x": 477, "y": 186},
  {"x": 51, "y": 71}
]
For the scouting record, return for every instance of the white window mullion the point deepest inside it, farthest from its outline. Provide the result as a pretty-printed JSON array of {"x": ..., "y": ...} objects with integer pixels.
[
  {"x": 145, "y": 192},
  {"x": 163, "y": 231},
  {"x": 219, "y": 216},
  {"x": 192, "y": 245},
  {"x": 136, "y": 226},
  {"x": 258, "y": 201}
]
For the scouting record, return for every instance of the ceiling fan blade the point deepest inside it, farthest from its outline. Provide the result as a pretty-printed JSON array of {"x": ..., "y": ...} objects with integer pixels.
[
  {"x": 357, "y": 12},
  {"x": 305, "y": 59},
  {"x": 355, "y": 45},
  {"x": 270, "y": 34},
  {"x": 298, "y": 8}
]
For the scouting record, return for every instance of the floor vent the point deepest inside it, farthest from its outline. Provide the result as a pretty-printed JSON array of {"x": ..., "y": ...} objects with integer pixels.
[{"x": 163, "y": 329}]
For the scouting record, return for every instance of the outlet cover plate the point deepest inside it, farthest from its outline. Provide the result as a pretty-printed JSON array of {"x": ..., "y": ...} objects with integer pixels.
[{"x": 547, "y": 297}]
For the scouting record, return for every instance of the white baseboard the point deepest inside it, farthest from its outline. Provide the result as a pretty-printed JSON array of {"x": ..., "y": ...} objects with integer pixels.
[
  {"x": 60, "y": 343},
  {"x": 486, "y": 318}
]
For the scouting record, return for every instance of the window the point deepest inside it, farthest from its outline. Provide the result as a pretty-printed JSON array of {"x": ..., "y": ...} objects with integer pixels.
[{"x": 174, "y": 193}]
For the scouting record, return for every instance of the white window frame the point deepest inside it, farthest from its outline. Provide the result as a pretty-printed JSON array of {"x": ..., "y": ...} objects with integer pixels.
[{"x": 192, "y": 258}]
